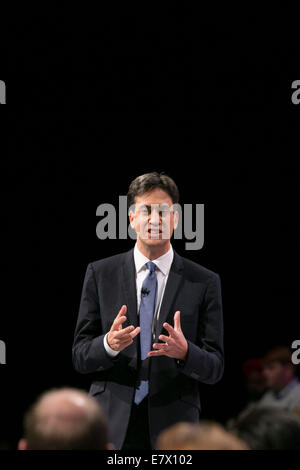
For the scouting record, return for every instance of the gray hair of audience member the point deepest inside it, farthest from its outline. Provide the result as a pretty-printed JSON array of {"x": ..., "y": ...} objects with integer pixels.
[
  {"x": 65, "y": 419},
  {"x": 206, "y": 435},
  {"x": 269, "y": 429}
]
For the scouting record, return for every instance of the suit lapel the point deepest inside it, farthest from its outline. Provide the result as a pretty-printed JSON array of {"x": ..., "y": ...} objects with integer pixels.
[
  {"x": 171, "y": 289},
  {"x": 129, "y": 287}
]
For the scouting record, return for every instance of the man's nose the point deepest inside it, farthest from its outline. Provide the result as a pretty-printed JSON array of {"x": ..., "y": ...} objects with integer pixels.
[{"x": 154, "y": 217}]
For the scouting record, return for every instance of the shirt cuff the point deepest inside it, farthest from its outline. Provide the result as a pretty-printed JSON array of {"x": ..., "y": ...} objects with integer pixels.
[{"x": 110, "y": 352}]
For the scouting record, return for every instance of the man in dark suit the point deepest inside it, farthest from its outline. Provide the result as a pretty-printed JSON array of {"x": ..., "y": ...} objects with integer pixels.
[{"x": 146, "y": 362}]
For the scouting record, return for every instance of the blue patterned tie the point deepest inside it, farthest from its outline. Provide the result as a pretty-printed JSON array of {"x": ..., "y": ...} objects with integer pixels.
[{"x": 147, "y": 307}]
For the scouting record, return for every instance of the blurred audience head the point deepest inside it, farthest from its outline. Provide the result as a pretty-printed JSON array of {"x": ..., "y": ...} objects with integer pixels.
[
  {"x": 269, "y": 429},
  {"x": 278, "y": 369},
  {"x": 65, "y": 419},
  {"x": 198, "y": 436},
  {"x": 254, "y": 378}
]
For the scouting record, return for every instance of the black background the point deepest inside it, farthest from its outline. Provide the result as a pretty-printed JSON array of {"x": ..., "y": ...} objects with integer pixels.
[{"x": 94, "y": 100}]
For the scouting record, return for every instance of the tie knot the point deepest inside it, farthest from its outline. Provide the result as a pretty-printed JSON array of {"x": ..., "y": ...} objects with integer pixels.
[{"x": 151, "y": 266}]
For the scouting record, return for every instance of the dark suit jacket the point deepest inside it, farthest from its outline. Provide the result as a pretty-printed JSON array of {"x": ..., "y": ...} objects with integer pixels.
[{"x": 173, "y": 388}]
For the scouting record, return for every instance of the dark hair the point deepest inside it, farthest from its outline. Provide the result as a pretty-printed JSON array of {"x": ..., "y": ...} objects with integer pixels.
[
  {"x": 149, "y": 181},
  {"x": 54, "y": 430},
  {"x": 269, "y": 429}
]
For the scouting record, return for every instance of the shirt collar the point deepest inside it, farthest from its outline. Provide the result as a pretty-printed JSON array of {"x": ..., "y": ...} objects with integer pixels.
[
  {"x": 163, "y": 262},
  {"x": 287, "y": 388}
]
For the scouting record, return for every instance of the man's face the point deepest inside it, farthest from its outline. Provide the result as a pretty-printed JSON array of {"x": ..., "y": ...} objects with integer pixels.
[
  {"x": 255, "y": 384},
  {"x": 274, "y": 374},
  {"x": 153, "y": 218}
]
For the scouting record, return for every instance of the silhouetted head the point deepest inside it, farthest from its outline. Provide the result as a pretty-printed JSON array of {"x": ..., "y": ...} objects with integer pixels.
[
  {"x": 65, "y": 419},
  {"x": 269, "y": 429},
  {"x": 198, "y": 436},
  {"x": 278, "y": 369},
  {"x": 254, "y": 379}
]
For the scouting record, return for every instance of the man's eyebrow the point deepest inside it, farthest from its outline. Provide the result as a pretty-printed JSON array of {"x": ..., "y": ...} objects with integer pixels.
[{"x": 146, "y": 206}]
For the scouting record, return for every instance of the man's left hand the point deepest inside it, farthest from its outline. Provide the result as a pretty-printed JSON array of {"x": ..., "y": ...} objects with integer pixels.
[{"x": 175, "y": 345}]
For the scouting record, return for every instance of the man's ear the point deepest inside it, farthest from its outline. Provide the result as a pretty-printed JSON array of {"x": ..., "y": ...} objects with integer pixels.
[
  {"x": 22, "y": 444},
  {"x": 176, "y": 218},
  {"x": 131, "y": 218},
  {"x": 131, "y": 215}
]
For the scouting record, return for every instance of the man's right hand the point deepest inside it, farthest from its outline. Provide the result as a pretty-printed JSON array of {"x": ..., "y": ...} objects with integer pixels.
[{"x": 119, "y": 338}]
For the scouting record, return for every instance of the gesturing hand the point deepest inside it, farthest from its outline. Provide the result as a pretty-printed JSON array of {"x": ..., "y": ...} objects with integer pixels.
[
  {"x": 175, "y": 345},
  {"x": 119, "y": 338}
]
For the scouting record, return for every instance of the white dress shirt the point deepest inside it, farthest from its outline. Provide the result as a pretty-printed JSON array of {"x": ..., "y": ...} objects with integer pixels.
[{"x": 163, "y": 265}]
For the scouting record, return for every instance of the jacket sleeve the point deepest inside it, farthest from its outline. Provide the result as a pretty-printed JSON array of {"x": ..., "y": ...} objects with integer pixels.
[
  {"x": 88, "y": 351},
  {"x": 205, "y": 360}
]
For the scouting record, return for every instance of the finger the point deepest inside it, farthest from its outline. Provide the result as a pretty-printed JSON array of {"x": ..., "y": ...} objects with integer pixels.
[
  {"x": 125, "y": 344},
  {"x": 161, "y": 346},
  {"x": 177, "y": 324},
  {"x": 129, "y": 335},
  {"x": 170, "y": 329},
  {"x": 160, "y": 352},
  {"x": 164, "y": 338},
  {"x": 126, "y": 339},
  {"x": 135, "y": 332},
  {"x": 120, "y": 342},
  {"x": 124, "y": 332},
  {"x": 117, "y": 324},
  {"x": 122, "y": 313}
]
